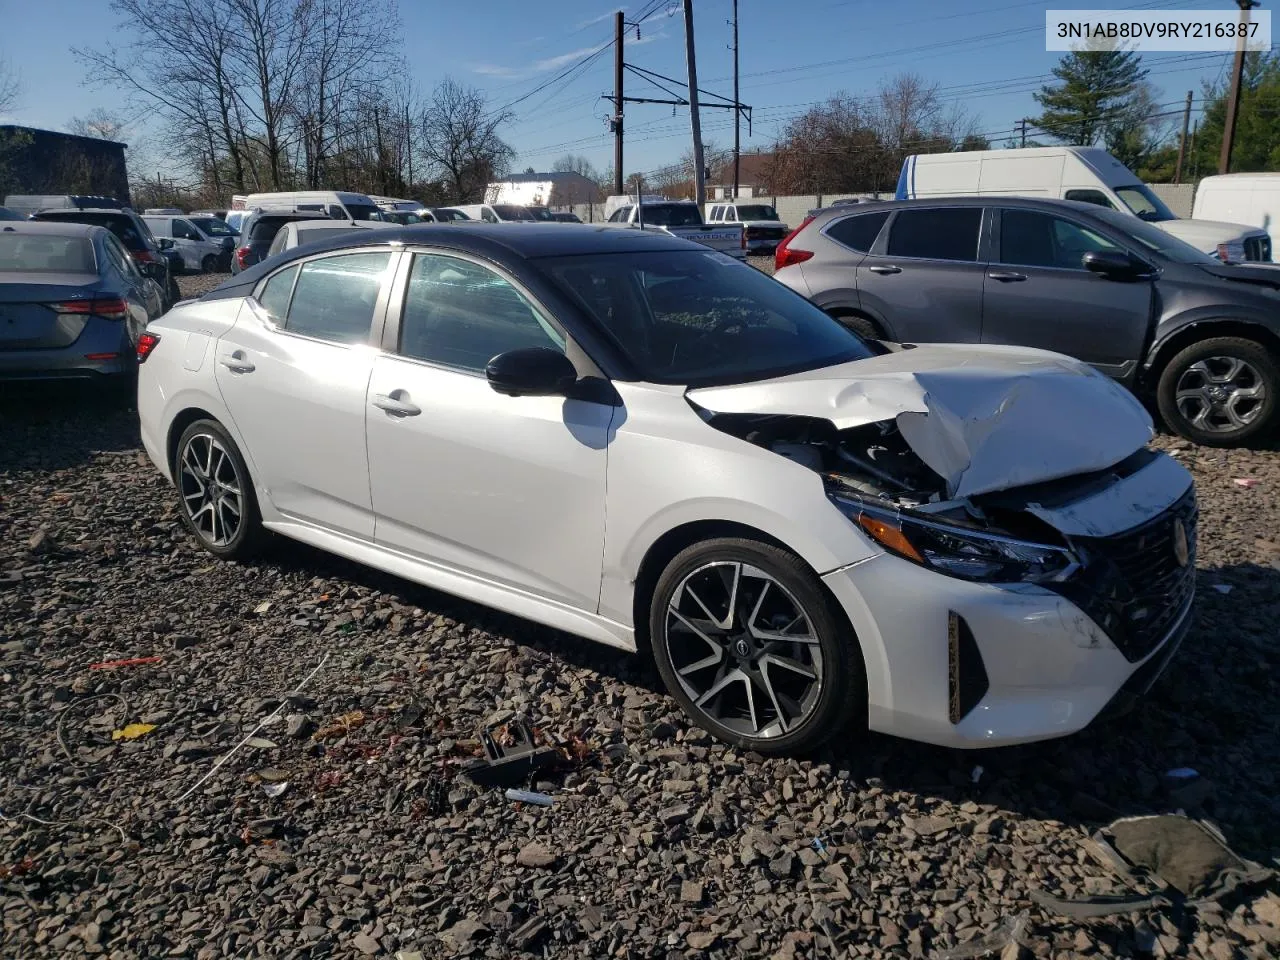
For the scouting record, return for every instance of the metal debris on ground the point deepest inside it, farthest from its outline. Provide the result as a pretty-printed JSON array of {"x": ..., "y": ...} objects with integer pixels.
[
  {"x": 132, "y": 731},
  {"x": 341, "y": 726},
  {"x": 1011, "y": 931},
  {"x": 1246, "y": 482},
  {"x": 127, "y": 662},
  {"x": 531, "y": 797},
  {"x": 511, "y": 755},
  {"x": 274, "y": 790}
]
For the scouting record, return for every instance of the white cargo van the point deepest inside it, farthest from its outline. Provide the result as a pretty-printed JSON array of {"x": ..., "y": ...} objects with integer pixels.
[
  {"x": 1085, "y": 174},
  {"x": 1250, "y": 198},
  {"x": 335, "y": 204}
]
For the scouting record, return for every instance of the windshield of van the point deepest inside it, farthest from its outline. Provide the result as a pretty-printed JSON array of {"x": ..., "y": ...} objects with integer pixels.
[
  {"x": 213, "y": 226},
  {"x": 361, "y": 211},
  {"x": 1153, "y": 238},
  {"x": 509, "y": 211},
  {"x": 1144, "y": 203},
  {"x": 756, "y": 211},
  {"x": 672, "y": 214},
  {"x": 541, "y": 213},
  {"x": 696, "y": 318}
]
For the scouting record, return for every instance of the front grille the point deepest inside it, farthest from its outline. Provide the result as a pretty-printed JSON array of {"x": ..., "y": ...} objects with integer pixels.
[
  {"x": 1133, "y": 585},
  {"x": 1258, "y": 248}
]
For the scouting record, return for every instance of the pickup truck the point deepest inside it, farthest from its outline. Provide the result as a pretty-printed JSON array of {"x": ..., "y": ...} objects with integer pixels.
[
  {"x": 760, "y": 223},
  {"x": 682, "y": 218}
]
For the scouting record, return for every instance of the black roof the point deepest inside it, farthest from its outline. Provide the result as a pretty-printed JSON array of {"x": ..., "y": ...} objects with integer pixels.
[{"x": 493, "y": 241}]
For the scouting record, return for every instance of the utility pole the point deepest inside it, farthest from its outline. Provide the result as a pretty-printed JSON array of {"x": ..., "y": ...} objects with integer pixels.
[
  {"x": 618, "y": 27},
  {"x": 408, "y": 144},
  {"x": 1233, "y": 99},
  {"x": 1023, "y": 124},
  {"x": 1182, "y": 141},
  {"x": 737, "y": 111},
  {"x": 699, "y": 173}
]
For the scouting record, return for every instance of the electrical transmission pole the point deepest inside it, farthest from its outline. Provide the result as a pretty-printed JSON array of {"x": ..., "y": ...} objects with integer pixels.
[
  {"x": 737, "y": 111},
  {"x": 1023, "y": 125},
  {"x": 618, "y": 27},
  {"x": 1233, "y": 98},
  {"x": 699, "y": 173},
  {"x": 1182, "y": 141}
]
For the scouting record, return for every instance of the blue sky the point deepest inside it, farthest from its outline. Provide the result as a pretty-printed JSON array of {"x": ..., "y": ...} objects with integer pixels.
[{"x": 986, "y": 55}]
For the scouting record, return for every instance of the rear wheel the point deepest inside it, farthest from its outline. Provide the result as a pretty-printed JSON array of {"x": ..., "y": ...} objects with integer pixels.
[
  {"x": 753, "y": 648},
  {"x": 1220, "y": 392},
  {"x": 215, "y": 493}
]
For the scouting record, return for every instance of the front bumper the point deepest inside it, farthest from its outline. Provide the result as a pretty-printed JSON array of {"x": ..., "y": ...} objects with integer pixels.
[{"x": 1049, "y": 669}]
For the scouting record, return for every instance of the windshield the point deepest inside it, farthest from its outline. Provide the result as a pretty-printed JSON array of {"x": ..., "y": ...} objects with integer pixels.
[
  {"x": 1153, "y": 238},
  {"x": 41, "y": 253},
  {"x": 213, "y": 226},
  {"x": 1144, "y": 203},
  {"x": 509, "y": 211},
  {"x": 541, "y": 213},
  {"x": 757, "y": 211},
  {"x": 672, "y": 214},
  {"x": 360, "y": 211},
  {"x": 696, "y": 318}
]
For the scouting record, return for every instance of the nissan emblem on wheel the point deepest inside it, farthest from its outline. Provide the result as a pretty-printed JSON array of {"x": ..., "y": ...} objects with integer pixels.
[{"x": 631, "y": 438}]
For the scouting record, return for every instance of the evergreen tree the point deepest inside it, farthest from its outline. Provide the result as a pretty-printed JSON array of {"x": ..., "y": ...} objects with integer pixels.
[
  {"x": 1094, "y": 88},
  {"x": 1257, "y": 145}
]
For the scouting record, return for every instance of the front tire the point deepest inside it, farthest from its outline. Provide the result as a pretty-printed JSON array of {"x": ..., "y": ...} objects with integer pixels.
[
  {"x": 209, "y": 264},
  {"x": 863, "y": 327},
  {"x": 753, "y": 648},
  {"x": 215, "y": 493},
  {"x": 1220, "y": 392}
]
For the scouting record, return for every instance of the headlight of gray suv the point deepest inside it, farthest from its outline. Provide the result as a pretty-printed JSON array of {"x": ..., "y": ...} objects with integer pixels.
[{"x": 959, "y": 551}]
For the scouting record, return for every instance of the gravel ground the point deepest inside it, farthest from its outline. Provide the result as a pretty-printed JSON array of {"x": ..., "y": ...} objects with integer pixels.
[{"x": 660, "y": 842}]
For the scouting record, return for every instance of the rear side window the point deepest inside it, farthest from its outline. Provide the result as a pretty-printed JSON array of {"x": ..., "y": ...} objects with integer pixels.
[
  {"x": 38, "y": 253},
  {"x": 275, "y": 293},
  {"x": 858, "y": 233},
  {"x": 334, "y": 297},
  {"x": 947, "y": 233}
]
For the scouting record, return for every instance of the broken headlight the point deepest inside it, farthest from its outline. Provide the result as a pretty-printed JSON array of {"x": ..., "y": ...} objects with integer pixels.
[{"x": 959, "y": 551}]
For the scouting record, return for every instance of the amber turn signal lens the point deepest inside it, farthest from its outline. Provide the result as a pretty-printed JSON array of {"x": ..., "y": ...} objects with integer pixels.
[{"x": 887, "y": 535}]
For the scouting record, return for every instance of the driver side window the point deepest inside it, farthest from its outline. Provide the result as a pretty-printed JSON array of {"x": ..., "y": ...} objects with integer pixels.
[
  {"x": 462, "y": 315},
  {"x": 621, "y": 215},
  {"x": 1096, "y": 197}
]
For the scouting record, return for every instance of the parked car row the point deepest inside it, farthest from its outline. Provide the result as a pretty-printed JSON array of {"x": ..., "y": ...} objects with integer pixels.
[{"x": 805, "y": 529}]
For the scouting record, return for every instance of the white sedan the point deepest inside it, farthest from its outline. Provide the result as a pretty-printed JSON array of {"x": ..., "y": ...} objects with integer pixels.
[{"x": 642, "y": 442}]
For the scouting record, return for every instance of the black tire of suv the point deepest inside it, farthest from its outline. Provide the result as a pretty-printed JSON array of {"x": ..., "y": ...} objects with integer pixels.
[
  {"x": 861, "y": 326},
  {"x": 842, "y": 701},
  {"x": 209, "y": 264},
  {"x": 1252, "y": 353}
]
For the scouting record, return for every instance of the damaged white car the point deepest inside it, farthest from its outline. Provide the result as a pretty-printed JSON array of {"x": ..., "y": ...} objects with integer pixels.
[{"x": 636, "y": 440}]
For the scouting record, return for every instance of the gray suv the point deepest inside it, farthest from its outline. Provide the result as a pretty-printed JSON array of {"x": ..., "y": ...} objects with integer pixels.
[{"x": 1138, "y": 304}]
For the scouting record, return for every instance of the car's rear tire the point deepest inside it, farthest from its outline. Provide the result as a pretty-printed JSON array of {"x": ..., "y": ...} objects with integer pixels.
[
  {"x": 778, "y": 671},
  {"x": 215, "y": 492},
  {"x": 1220, "y": 392},
  {"x": 209, "y": 264}
]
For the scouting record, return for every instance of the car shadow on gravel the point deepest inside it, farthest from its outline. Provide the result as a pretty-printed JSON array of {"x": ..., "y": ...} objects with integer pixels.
[{"x": 53, "y": 426}]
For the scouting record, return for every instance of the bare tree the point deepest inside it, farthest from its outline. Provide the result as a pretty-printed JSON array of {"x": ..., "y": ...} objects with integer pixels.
[
  {"x": 9, "y": 87},
  {"x": 461, "y": 139},
  {"x": 98, "y": 123},
  {"x": 575, "y": 163}
]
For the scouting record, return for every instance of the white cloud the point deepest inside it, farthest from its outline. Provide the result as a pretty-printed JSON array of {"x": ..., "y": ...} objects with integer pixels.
[
  {"x": 602, "y": 17},
  {"x": 547, "y": 64}
]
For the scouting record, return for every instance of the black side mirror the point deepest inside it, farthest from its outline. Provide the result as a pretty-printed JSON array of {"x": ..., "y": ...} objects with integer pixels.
[
  {"x": 1114, "y": 264},
  {"x": 531, "y": 372},
  {"x": 165, "y": 243}
]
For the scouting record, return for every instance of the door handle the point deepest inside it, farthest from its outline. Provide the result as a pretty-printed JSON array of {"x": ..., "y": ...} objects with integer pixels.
[
  {"x": 1005, "y": 276},
  {"x": 885, "y": 270},
  {"x": 395, "y": 405},
  {"x": 237, "y": 362}
]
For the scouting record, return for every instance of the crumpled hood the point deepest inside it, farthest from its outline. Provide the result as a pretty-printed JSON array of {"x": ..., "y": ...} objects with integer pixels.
[
  {"x": 984, "y": 418},
  {"x": 1207, "y": 234}
]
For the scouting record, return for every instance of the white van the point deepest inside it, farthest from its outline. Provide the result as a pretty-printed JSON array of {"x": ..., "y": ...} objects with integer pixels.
[
  {"x": 1085, "y": 174},
  {"x": 1252, "y": 198},
  {"x": 335, "y": 204},
  {"x": 203, "y": 243},
  {"x": 496, "y": 212}
]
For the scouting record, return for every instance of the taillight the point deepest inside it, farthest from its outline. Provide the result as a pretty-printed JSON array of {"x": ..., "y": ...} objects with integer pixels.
[
  {"x": 112, "y": 308},
  {"x": 145, "y": 256},
  {"x": 242, "y": 257},
  {"x": 784, "y": 256},
  {"x": 146, "y": 343},
  {"x": 743, "y": 243}
]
